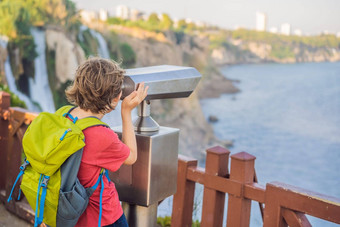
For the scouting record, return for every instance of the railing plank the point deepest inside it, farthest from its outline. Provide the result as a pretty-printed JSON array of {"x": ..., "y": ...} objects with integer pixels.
[
  {"x": 183, "y": 200},
  {"x": 295, "y": 219},
  {"x": 5, "y": 100},
  {"x": 279, "y": 195},
  {"x": 213, "y": 200},
  {"x": 242, "y": 170},
  {"x": 255, "y": 191}
]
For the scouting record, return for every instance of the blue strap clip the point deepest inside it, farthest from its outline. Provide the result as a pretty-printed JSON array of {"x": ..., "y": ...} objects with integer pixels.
[
  {"x": 22, "y": 169},
  {"x": 43, "y": 180}
]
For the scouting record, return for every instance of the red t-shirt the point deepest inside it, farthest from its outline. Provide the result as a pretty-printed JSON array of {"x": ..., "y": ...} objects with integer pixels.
[{"x": 103, "y": 149}]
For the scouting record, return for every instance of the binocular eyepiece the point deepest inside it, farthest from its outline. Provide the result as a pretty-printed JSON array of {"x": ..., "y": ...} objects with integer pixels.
[{"x": 164, "y": 81}]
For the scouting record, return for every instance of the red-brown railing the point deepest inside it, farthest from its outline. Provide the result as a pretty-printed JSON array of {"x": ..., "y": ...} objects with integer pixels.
[
  {"x": 13, "y": 124},
  {"x": 284, "y": 204}
]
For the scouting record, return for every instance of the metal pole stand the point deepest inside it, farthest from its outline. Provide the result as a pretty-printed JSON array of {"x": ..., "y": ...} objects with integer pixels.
[{"x": 140, "y": 216}]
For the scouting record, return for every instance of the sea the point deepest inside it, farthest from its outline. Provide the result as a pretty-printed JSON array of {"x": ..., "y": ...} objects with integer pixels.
[{"x": 288, "y": 116}]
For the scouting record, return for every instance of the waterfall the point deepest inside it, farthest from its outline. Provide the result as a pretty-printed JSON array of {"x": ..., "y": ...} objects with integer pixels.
[
  {"x": 11, "y": 80},
  {"x": 40, "y": 90},
  {"x": 103, "y": 50}
]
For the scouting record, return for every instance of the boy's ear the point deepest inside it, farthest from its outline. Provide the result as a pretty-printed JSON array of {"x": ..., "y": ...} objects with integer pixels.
[{"x": 117, "y": 98}]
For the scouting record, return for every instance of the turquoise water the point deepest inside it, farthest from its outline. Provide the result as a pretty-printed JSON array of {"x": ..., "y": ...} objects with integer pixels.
[{"x": 288, "y": 116}]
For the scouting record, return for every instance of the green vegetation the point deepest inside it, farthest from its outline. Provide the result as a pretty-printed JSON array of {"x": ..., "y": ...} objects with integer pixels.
[
  {"x": 281, "y": 51},
  {"x": 164, "y": 221},
  {"x": 153, "y": 23},
  {"x": 15, "y": 101},
  {"x": 17, "y": 16},
  {"x": 156, "y": 24},
  {"x": 128, "y": 55},
  {"x": 16, "y": 19},
  {"x": 313, "y": 41},
  {"x": 282, "y": 46},
  {"x": 120, "y": 51},
  {"x": 59, "y": 95}
]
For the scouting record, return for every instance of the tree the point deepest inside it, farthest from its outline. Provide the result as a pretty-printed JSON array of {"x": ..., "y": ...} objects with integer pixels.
[
  {"x": 153, "y": 20},
  {"x": 166, "y": 22},
  {"x": 182, "y": 24}
]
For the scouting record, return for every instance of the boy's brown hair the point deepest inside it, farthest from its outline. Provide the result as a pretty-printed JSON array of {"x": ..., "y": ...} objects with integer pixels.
[{"x": 97, "y": 82}]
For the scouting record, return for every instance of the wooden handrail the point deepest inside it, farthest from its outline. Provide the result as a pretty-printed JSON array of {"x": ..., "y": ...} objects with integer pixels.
[{"x": 285, "y": 205}]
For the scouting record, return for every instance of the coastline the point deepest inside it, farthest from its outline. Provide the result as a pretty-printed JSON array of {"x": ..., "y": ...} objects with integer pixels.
[{"x": 215, "y": 84}]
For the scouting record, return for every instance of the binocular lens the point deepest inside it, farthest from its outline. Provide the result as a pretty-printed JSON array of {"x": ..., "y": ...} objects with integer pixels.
[{"x": 128, "y": 87}]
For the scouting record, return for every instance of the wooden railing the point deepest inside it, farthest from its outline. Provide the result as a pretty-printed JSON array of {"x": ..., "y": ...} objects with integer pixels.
[
  {"x": 284, "y": 204},
  {"x": 13, "y": 124}
]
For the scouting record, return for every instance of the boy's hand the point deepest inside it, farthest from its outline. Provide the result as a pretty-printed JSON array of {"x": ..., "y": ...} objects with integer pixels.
[{"x": 135, "y": 98}]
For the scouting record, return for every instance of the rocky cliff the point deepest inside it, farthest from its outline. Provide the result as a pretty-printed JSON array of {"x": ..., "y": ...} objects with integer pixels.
[
  {"x": 68, "y": 54},
  {"x": 243, "y": 52}
]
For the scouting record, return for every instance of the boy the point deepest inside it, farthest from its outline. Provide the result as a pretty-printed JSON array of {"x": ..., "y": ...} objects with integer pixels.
[{"x": 96, "y": 90}]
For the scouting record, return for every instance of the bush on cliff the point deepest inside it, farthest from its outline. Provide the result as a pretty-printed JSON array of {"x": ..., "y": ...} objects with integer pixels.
[{"x": 15, "y": 101}]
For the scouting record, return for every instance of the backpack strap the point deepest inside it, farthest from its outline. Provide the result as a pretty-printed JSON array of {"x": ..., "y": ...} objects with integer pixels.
[
  {"x": 94, "y": 187},
  {"x": 43, "y": 180},
  {"x": 22, "y": 169},
  {"x": 83, "y": 123}
]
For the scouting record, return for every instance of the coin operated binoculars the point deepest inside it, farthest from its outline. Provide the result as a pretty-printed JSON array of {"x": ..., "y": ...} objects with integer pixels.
[{"x": 154, "y": 175}]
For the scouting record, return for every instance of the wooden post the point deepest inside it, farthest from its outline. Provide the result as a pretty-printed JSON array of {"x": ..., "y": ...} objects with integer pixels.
[
  {"x": 5, "y": 102},
  {"x": 213, "y": 201},
  {"x": 183, "y": 201},
  {"x": 242, "y": 171}
]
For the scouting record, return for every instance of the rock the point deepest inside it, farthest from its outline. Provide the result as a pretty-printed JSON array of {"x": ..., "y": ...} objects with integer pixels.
[
  {"x": 150, "y": 53},
  {"x": 214, "y": 84},
  {"x": 187, "y": 115},
  {"x": 68, "y": 54},
  {"x": 212, "y": 118}
]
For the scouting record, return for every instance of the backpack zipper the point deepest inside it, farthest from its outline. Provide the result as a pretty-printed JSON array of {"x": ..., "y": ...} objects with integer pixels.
[{"x": 63, "y": 136}]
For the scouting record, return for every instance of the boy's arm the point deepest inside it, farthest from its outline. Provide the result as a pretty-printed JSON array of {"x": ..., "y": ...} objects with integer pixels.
[
  {"x": 128, "y": 137},
  {"x": 128, "y": 133}
]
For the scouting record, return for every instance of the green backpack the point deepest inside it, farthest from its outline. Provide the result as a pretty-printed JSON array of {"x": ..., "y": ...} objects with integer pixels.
[{"x": 53, "y": 146}]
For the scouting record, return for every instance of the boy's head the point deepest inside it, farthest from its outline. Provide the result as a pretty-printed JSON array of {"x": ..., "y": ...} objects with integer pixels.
[{"x": 97, "y": 82}]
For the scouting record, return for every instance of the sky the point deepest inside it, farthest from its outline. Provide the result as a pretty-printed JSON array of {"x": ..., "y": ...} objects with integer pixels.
[{"x": 310, "y": 16}]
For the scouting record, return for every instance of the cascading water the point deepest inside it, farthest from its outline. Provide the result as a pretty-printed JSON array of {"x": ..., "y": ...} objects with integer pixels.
[
  {"x": 103, "y": 50},
  {"x": 40, "y": 90},
  {"x": 11, "y": 80}
]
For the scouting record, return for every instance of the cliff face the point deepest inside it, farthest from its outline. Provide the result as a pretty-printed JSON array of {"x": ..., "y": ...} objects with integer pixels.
[
  {"x": 68, "y": 54},
  {"x": 150, "y": 52},
  {"x": 244, "y": 52}
]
